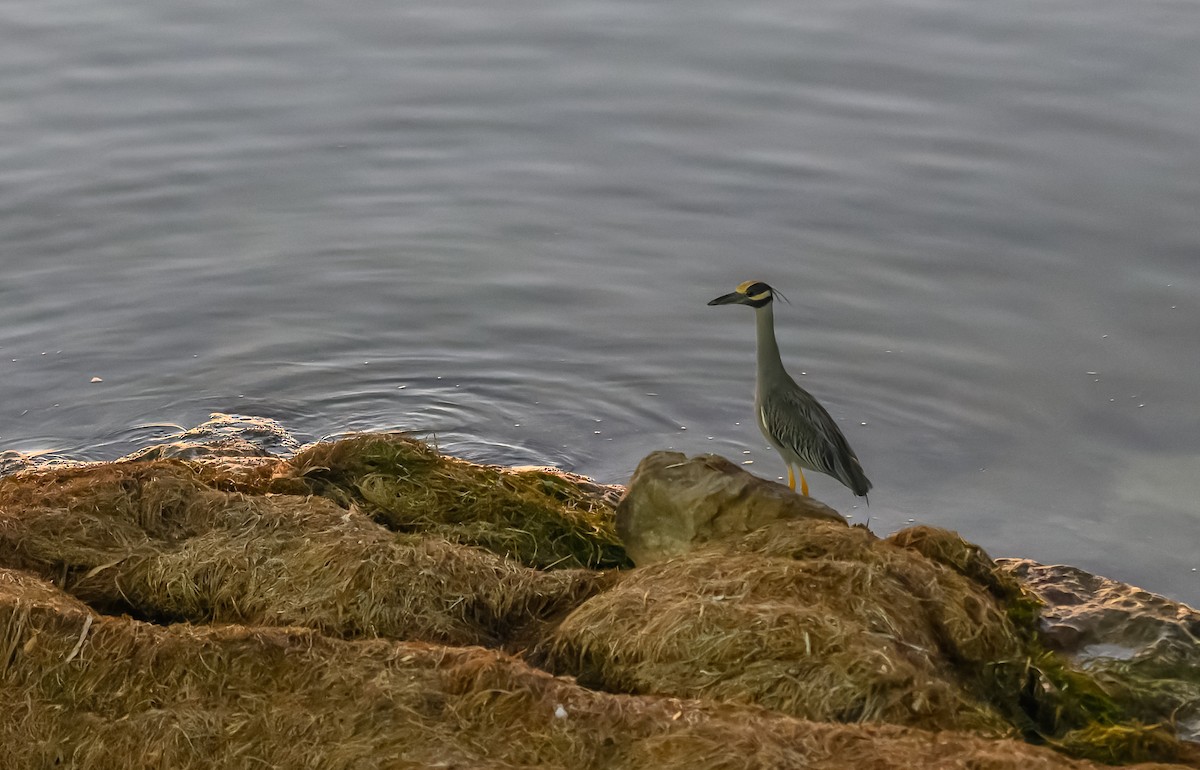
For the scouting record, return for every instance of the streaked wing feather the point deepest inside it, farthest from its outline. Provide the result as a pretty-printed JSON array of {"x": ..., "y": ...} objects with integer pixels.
[{"x": 795, "y": 420}]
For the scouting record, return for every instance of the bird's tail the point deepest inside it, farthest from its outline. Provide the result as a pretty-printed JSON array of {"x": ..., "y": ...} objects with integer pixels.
[{"x": 857, "y": 480}]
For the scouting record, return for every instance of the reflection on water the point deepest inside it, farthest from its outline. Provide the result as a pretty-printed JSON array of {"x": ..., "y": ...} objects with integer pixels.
[{"x": 499, "y": 226}]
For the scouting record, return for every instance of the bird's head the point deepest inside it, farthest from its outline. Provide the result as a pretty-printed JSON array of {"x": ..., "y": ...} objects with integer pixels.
[{"x": 756, "y": 294}]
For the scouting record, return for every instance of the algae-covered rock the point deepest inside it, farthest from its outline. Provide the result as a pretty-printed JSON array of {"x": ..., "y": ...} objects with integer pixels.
[
  {"x": 298, "y": 610},
  {"x": 810, "y": 618},
  {"x": 154, "y": 540},
  {"x": 1143, "y": 648},
  {"x": 83, "y": 690},
  {"x": 537, "y": 517},
  {"x": 973, "y": 563},
  {"x": 675, "y": 504},
  {"x": 830, "y": 623},
  {"x": 814, "y": 618}
]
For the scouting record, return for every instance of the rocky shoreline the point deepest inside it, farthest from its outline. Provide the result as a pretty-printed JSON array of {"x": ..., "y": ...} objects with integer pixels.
[{"x": 370, "y": 603}]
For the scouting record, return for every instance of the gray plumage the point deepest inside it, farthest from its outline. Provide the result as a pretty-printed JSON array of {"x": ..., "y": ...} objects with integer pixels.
[
  {"x": 804, "y": 434},
  {"x": 792, "y": 421}
]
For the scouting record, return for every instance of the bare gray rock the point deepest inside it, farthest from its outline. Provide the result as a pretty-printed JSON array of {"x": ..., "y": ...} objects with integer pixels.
[{"x": 675, "y": 503}]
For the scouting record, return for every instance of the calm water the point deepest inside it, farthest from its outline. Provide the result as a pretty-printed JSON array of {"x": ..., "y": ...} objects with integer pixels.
[{"x": 499, "y": 223}]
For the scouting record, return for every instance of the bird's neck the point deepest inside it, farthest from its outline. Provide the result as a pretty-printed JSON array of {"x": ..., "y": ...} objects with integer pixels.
[{"x": 769, "y": 362}]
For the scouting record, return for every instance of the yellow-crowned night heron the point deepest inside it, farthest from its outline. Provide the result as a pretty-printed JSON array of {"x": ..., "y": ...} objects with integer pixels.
[{"x": 794, "y": 423}]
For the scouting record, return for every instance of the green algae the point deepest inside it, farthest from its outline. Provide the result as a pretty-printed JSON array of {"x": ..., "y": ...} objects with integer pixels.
[
  {"x": 1121, "y": 744},
  {"x": 535, "y": 517}
]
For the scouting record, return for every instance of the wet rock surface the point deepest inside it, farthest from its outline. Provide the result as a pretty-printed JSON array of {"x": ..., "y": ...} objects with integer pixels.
[
  {"x": 224, "y": 435},
  {"x": 1135, "y": 641}
]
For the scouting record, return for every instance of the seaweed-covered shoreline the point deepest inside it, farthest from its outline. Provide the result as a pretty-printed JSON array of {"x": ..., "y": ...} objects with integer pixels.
[{"x": 371, "y": 603}]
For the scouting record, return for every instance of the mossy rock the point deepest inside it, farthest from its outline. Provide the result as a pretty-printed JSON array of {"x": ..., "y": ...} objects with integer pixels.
[
  {"x": 83, "y": 690},
  {"x": 154, "y": 540},
  {"x": 536, "y": 517},
  {"x": 829, "y": 622},
  {"x": 805, "y": 619}
]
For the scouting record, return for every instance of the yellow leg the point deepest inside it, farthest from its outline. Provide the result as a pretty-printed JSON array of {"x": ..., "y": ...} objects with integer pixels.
[
  {"x": 803, "y": 483},
  {"x": 791, "y": 479}
]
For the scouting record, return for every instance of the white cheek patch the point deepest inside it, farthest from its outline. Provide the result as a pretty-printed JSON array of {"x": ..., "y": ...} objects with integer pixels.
[{"x": 760, "y": 297}]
